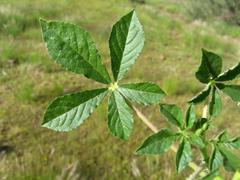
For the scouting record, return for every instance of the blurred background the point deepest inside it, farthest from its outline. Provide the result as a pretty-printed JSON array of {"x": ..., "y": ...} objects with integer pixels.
[{"x": 175, "y": 32}]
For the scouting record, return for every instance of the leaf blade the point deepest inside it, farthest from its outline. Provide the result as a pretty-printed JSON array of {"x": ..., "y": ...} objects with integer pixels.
[
  {"x": 201, "y": 96},
  {"x": 215, "y": 106},
  {"x": 72, "y": 48},
  {"x": 233, "y": 91},
  {"x": 216, "y": 159},
  {"x": 125, "y": 43},
  {"x": 142, "y": 93},
  {"x": 172, "y": 113},
  {"x": 69, "y": 111},
  {"x": 231, "y": 161},
  {"x": 120, "y": 119},
  {"x": 184, "y": 155},
  {"x": 190, "y": 116},
  {"x": 230, "y": 74},
  {"x": 235, "y": 143},
  {"x": 157, "y": 143},
  {"x": 210, "y": 67},
  {"x": 197, "y": 141}
]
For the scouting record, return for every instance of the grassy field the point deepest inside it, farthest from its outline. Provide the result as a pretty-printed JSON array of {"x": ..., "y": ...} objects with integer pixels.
[{"x": 29, "y": 80}]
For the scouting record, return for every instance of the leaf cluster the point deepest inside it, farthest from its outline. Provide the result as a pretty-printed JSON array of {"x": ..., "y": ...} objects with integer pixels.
[
  {"x": 193, "y": 131},
  {"x": 73, "y": 48}
]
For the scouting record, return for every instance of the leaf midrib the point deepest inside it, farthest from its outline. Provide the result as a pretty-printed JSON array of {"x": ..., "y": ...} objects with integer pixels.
[{"x": 141, "y": 91}]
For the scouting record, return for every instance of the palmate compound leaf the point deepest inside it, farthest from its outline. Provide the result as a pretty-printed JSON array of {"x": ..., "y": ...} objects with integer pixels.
[
  {"x": 157, "y": 143},
  {"x": 201, "y": 96},
  {"x": 230, "y": 74},
  {"x": 215, "y": 105},
  {"x": 231, "y": 90},
  {"x": 69, "y": 111},
  {"x": 172, "y": 113},
  {"x": 72, "y": 48},
  {"x": 210, "y": 67},
  {"x": 142, "y": 93},
  {"x": 120, "y": 119},
  {"x": 125, "y": 43},
  {"x": 184, "y": 155}
]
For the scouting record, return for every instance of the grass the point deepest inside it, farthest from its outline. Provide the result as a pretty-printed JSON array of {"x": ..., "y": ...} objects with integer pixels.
[{"x": 29, "y": 80}]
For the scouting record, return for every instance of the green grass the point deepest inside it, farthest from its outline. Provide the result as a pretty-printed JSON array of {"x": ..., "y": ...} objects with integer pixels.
[{"x": 29, "y": 80}]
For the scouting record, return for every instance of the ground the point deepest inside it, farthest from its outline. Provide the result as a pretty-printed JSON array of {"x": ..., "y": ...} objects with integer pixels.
[{"x": 29, "y": 80}]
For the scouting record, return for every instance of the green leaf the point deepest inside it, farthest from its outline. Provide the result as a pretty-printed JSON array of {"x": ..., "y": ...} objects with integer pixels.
[
  {"x": 222, "y": 137},
  {"x": 231, "y": 161},
  {"x": 201, "y": 96},
  {"x": 215, "y": 106},
  {"x": 235, "y": 143},
  {"x": 190, "y": 116},
  {"x": 120, "y": 119},
  {"x": 184, "y": 155},
  {"x": 230, "y": 74},
  {"x": 143, "y": 93},
  {"x": 126, "y": 42},
  {"x": 200, "y": 126},
  {"x": 231, "y": 90},
  {"x": 69, "y": 111},
  {"x": 214, "y": 175},
  {"x": 72, "y": 48},
  {"x": 210, "y": 67},
  {"x": 197, "y": 141},
  {"x": 172, "y": 113},
  {"x": 157, "y": 143},
  {"x": 216, "y": 159}
]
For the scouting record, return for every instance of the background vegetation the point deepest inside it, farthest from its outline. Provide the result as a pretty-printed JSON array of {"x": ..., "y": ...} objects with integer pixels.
[{"x": 175, "y": 32}]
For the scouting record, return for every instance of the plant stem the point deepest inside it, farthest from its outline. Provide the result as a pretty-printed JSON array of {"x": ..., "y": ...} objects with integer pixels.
[{"x": 197, "y": 169}]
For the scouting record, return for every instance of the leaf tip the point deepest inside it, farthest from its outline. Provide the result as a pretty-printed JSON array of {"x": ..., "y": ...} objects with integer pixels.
[
  {"x": 204, "y": 50},
  {"x": 139, "y": 151}
]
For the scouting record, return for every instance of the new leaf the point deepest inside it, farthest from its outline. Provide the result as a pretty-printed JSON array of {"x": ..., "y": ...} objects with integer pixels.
[
  {"x": 69, "y": 111},
  {"x": 125, "y": 43},
  {"x": 72, "y": 48}
]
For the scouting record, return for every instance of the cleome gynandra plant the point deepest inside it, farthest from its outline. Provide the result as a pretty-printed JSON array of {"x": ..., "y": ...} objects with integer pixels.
[{"x": 72, "y": 47}]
